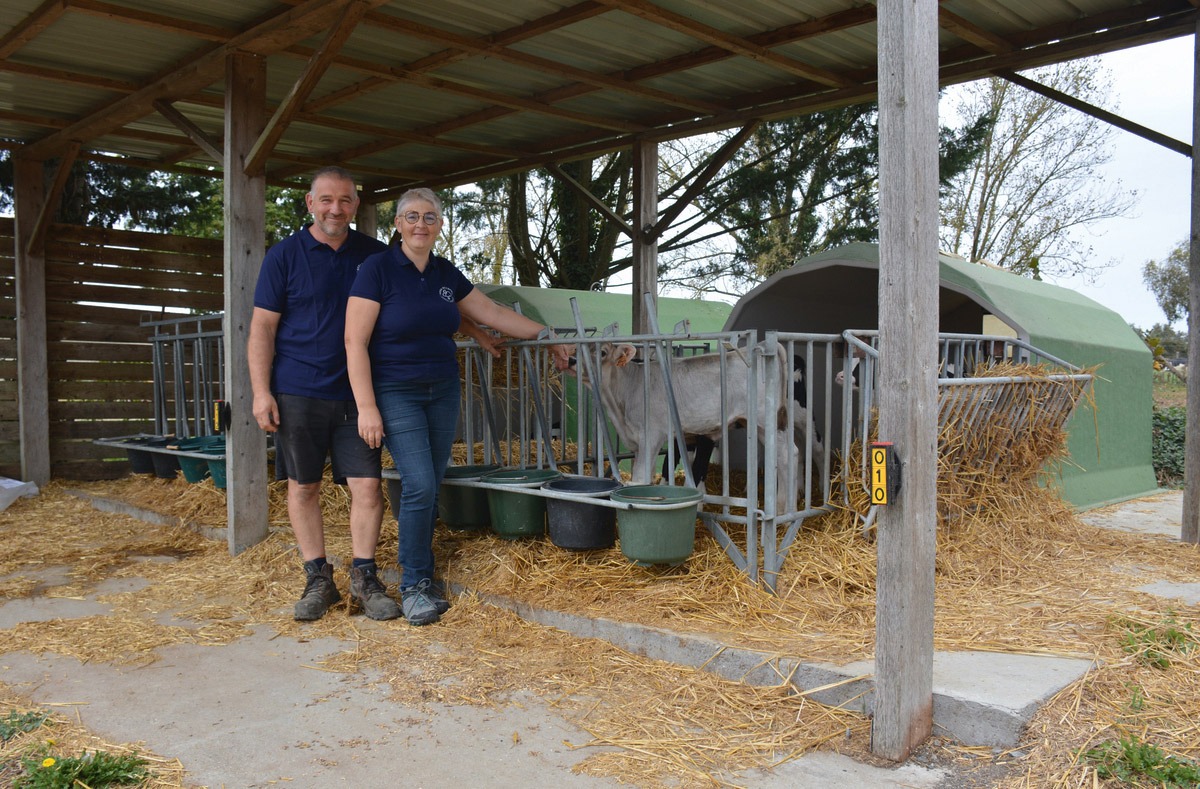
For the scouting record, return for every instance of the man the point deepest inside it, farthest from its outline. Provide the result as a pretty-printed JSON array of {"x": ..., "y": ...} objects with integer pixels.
[{"x": 297, "y": 365}]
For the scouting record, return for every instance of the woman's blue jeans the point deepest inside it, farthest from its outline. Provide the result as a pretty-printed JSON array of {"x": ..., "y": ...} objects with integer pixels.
[{"x": 419, "y": 423}]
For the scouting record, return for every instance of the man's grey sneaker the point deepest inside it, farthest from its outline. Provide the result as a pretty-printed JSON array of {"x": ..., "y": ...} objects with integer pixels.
[
  {"x": 319, "y": 592},
  {"x": 420, "y": 607},
  {"x": 370, "y": 595}
]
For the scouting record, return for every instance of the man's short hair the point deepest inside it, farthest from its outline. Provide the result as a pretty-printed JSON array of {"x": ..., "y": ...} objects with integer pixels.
[{"x": 340, "y": 173}]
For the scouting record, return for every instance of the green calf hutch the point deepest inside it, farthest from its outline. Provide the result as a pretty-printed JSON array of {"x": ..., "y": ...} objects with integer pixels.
[
  {"x": 1110, "y": 446},
  {"x": 552, "y": 307}
]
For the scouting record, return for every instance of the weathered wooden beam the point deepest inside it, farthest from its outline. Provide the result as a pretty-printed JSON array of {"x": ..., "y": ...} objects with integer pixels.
[
  {"x": 304, "y": 85},
  {"x": 245, "y": 216},
  {"x": 28, "y": 28},
  {"x": 197, "y": 135},
  {"x": 1190, "y": 530},
  {"x": 486, "y": 47},
  {"x": 367, "y": 219},
  {"x": 645, "y": 246},
  {"x": 974, "y": 34},
  {"x": 1098, "y": 112},
  {"x": 789, "y": 33},
  {"x": 206, "y": 67},
  {"x": 735, "y": 44},
  {"x": 33, "y": 395},
  {"x": 150, "y": 20},
  {"x": 68, "y": 77},
  {"x": 907, "y": 385},
  {"x": 36, "y": 245},
  {"x": 702, "y": 179},
  {"x": 592, "y": 200}
]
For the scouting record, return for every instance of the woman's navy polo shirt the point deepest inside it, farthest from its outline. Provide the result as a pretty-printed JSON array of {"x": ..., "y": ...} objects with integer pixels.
[{"x": 413, "y": 338}]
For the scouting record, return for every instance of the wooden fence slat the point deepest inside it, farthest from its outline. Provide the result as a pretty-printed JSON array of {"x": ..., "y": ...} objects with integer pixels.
[{"x": 98, "y": 354}]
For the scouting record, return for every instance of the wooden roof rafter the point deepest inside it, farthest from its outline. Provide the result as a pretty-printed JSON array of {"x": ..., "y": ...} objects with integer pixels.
[
  {"x": 738, "y": 59},
  {"x": 265, "y": 37},
  {"x": 711, "y": 54}
]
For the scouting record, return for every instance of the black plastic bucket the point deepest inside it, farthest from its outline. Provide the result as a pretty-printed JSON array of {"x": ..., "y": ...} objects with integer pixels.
[
  {"x": 578, "y": 525},
  {"x": 165, "y": 466},
  {"x": 463, "y": 508},
  {"x": 140, "y": 461}
]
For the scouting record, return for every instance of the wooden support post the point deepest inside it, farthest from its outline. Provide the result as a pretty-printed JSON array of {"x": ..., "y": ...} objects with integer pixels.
[
  {"x": 367, "y": 219},
  {"x": 908, "y": 303},
  {"x": 33, "y": 394},
  {"x": 645, "y": 243},
  {"x": 245, "y": 216},
  {"x": 1191, "y": 461}
]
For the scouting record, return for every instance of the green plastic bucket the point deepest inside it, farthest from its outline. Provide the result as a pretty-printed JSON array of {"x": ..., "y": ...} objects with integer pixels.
[
  {"x": 196, "y": 469},
  {"x": 660, "y": 528},
  {"x": 516, "y": 514},
  {"x": 216, "y": 465},
  {"x": 464, "y": 508}
]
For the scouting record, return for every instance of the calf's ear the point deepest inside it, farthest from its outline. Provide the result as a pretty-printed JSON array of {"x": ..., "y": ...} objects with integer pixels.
[{"x": 625, "y": 354}]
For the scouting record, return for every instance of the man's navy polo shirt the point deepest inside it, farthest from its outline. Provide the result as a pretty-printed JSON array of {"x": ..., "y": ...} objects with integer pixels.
[
  {"x": 307, "y": 283},
  {"x": 418, "y": 316}
]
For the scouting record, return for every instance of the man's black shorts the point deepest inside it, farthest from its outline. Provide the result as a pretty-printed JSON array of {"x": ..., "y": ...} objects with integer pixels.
[{"x": 311, "y": 430}]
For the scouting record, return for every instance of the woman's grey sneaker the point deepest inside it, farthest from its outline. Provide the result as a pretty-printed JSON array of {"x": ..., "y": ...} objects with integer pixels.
[
  {"x": 437, "y": 590},
  {"x": 370, "y": 595},
  {"x": 320, "y": 592},
  {"x": 420, "y": 606}
]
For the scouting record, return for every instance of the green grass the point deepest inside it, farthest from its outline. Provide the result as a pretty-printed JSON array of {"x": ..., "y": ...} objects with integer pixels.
[
  {"x": 1137, "y": 763},
  {"x": 93, "y": 770},
  {"x": 1156, "y": 645},
  {"x": 19, "y": 723}
]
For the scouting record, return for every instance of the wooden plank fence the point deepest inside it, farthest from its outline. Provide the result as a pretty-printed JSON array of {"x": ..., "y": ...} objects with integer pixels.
[{"x": 101, "y": 284}]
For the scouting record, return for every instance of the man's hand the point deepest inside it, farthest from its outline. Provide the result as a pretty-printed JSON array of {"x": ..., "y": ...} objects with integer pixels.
[{"x": 266, "y": 412}]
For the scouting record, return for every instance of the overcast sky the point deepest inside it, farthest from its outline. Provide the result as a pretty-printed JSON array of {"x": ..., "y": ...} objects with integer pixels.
[{"x": 1154, "y": 86}]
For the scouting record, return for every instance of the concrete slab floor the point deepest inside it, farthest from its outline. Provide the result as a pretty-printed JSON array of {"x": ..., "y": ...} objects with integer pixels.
[
  {"x": 284, "y": 721},
  {"x": 280, "y": 719},
  {"x": 1161, "y": 513}
]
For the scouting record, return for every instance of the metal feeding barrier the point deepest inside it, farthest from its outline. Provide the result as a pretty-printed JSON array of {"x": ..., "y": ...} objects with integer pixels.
[
  {"x": 188, "y": 355},
  {"x": 757, "y": 496},
  {"x": 764, "y": 483}
]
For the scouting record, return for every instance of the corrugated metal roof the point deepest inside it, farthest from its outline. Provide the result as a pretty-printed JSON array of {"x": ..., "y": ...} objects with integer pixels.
[{"x": 442, "y": 93}]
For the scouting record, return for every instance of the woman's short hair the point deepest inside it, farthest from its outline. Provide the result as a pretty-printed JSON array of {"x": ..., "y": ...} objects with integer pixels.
[{"x": 415, "y": 196}]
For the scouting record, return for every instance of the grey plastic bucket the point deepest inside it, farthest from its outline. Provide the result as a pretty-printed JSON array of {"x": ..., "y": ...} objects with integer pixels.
[
  {"x": 577, "y": 525},
  {"x": 464, "y": 508},
  {"x": 660, "y": 528},
  {"x": 515, "y": 514}
]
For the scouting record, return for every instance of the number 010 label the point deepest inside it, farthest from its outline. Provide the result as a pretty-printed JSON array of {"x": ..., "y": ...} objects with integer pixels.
[{"x": 880, "y": 455}]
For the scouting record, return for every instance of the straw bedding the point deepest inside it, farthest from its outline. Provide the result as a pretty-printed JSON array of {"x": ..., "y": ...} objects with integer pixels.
[{"x": 1016, "y": 572}]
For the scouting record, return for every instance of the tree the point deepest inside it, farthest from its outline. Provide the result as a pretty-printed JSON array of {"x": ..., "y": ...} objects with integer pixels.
[
  {"x": 539, "y": 228},
  {"x": 108, "y": 193},
  {"x": 1038, "y": 177},
  {"x": 1167, "y": 340},
  {"x": 1168, "y": 281},
  {"x": 805, "y": 184}
]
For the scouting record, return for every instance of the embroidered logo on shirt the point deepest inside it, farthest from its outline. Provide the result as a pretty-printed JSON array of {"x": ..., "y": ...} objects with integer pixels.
[{"x": 447, "y": 294}]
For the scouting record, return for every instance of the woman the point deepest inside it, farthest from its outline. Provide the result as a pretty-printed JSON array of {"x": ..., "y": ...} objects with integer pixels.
[{"x": 403, "y": 310}]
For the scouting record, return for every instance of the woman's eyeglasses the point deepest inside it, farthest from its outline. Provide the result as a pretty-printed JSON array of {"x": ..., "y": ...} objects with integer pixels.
[{"x": 412, "y": 216}]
